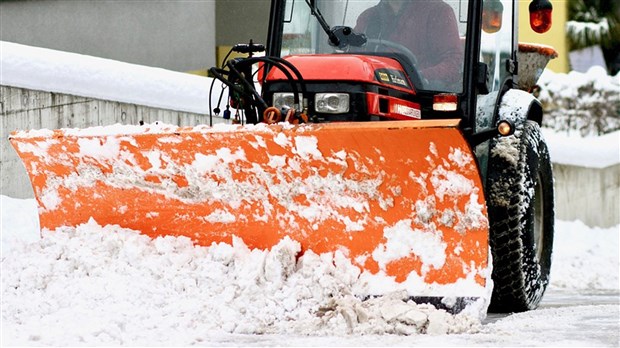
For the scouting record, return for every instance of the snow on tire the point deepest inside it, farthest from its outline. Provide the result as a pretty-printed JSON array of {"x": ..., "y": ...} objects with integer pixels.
[{"x": 521, "y": 215}]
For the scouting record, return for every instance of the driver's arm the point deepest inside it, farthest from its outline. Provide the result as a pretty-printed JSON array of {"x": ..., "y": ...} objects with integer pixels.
[
  {"x": 364, "y": 19},
  {"x": 444, "y": 44}
]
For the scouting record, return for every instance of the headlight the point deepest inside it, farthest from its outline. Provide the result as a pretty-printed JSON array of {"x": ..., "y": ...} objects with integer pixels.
[
  {"x": 331, "y": 103},
  {"x": 285, "y": 100}
]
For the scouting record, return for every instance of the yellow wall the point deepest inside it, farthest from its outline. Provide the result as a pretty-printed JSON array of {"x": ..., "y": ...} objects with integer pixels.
[{"x": 555, "y": 37}]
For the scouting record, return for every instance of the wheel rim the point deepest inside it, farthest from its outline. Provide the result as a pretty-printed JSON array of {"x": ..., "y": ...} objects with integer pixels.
[{"x": 539, "y": 215}]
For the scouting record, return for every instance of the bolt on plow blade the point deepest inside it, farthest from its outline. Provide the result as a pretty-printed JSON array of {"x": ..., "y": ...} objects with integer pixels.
[{"x": 403, "y": 201}]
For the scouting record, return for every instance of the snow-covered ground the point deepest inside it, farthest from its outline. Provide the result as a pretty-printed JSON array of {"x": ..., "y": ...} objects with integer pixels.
[
  {"x": 97, "y": 285},
  {"x": 102, "y": 285}
]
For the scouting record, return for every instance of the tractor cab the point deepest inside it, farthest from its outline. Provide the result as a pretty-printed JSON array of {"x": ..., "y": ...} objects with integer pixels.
[
  {"x": 395, "y": 60},
  {"x": 372, "y": 60},
  {"x": 384, "y": 60}
]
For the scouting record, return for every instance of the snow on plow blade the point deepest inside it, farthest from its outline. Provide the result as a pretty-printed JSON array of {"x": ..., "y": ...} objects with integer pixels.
[{"x": 402, "y": 200}]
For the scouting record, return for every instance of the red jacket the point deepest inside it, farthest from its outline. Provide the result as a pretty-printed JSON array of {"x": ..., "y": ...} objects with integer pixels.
[{"x": 429, "y": 29}]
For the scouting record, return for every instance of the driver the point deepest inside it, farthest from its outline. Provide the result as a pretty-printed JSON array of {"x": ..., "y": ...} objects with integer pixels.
[{"x": 428, "y": 28}]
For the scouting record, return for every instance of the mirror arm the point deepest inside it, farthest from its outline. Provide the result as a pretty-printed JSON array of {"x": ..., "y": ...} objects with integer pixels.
[{"x": 317, "y": 14}]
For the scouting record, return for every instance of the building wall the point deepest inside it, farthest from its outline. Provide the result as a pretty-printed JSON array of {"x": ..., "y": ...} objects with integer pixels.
[
  {"x": 176, "y": 35},
  {"x": 238, "y": 21},
  {"x": 180, "y": 35}
]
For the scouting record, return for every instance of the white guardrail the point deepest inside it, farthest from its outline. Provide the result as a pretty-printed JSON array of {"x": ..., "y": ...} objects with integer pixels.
[{"x": 23, "y": 109}]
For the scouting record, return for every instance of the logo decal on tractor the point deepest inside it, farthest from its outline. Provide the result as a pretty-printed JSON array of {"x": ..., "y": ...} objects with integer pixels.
[
  {"x": 384, "y": 77},
  {"x": 392, "y": 77}
]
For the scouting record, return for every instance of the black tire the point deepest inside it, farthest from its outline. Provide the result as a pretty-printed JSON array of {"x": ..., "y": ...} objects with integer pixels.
[{"x": 521, "y": 217}]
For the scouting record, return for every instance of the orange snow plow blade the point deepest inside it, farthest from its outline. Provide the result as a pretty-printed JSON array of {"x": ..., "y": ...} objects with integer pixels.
[{"x": 401, "y": 200}]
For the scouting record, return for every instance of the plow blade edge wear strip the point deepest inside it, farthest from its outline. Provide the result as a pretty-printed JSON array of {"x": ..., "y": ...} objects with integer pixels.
[{"x": 403, "y": 201}]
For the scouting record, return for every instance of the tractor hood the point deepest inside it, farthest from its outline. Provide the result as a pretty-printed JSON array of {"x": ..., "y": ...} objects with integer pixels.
[{"x": 348, "y": 68}]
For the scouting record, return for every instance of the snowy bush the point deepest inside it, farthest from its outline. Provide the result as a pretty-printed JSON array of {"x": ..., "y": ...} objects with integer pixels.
[{"x": 588, "y": 103}]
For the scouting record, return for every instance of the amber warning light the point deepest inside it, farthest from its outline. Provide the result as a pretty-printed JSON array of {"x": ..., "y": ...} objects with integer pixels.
[
  {"x": 540, "y": 15},
  {"x": 492, "y": 13}
]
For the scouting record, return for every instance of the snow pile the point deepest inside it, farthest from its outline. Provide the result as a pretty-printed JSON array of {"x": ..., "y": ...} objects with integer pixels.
[
  {"x": 592, "y": 152},
  {"x": 589, "y": 102},
  {"x": 19, "y": 222},
  {"x": 588, "y": 261},
  {"x": 96, "y": 285},
  {"x": 107, "y": 285}
]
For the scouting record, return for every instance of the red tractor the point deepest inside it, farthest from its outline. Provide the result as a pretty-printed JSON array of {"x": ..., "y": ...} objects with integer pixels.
[{"x": 399, "y": 134}]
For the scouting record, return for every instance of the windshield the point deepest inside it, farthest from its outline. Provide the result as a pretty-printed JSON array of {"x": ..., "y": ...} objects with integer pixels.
[{"x": 428, "y": 35}]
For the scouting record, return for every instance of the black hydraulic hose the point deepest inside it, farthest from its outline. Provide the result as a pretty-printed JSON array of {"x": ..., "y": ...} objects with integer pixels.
[
  {"x": 210, "y": 109},
  {"x": 253, "y": 94},
  {"x": 278, "y": 63},
  {"x": 289, "y": 78},
  {"x": 226, "y": 57},
  {"x": 283, "y": 65},
  {"x": 221, "y": 93},
  {"x": 249, "y": 86},
  {"x": 219, "y": 74},
  {"x": 219, "y": 102},
  {"x": 274, "y": 60},
  {"x": 300, "y": 79},
  {"x": 288, "y": 75}
]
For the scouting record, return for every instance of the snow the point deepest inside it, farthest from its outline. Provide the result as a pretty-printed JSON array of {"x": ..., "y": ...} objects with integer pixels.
[
  {"x": 595, "y": 31},
  {"x": 580, "y": 273},
  {"x": 104, "y": 285},
  {"x": 167, "y": 291},
  {"x": 50, "y": 70},
  {"x": 401, "y": 241},
  {"x": 593, "y": 152},
  {"x": 585, "y": 102},
  {"x": 568, "y": 85}
]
